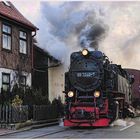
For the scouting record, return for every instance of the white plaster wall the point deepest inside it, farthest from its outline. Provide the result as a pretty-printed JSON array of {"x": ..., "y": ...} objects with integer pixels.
[
  {"x": 57, "y": 76},
  {"x": 56, "y": 83},
  {"x": 13, "y": 78}
]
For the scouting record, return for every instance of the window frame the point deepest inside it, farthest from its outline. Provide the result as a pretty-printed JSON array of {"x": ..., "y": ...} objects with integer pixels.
[
  {"x": 23, "y": 85},
  {"x": 5, "y": 83},
  {"x": 7, "y": 34},
  {"x": 25, "y": 40}
]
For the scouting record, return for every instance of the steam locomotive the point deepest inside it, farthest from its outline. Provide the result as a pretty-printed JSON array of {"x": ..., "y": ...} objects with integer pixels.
[{"x": 96, "y": 91}]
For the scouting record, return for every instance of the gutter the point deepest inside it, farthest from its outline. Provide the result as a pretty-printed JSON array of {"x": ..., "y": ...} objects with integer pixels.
[
  {"x": 33, "y": 49},
  {"x": 39, "y": 69}
]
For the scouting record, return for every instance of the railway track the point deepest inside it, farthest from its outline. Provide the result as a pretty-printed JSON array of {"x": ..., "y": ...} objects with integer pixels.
[
  {"x": 51, "y": 133},
  {"x": 36, "y": 133}
]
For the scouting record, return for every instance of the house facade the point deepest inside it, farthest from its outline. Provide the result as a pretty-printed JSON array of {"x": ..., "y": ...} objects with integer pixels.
[
  {"x": 43, "y": 64},
  {"x": 16, "y": 34},
  {"x": 40, "y": 70}
]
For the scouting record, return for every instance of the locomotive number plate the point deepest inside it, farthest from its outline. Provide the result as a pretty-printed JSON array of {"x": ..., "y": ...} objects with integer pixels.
[{"x": 85, "y": 74}]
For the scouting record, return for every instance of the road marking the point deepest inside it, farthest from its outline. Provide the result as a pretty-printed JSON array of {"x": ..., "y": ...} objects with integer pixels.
[{"x": 130, "y": 125}]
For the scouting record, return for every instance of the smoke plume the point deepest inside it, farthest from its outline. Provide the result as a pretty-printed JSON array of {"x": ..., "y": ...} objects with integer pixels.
[
  {"x": 90, "y": 36},
  {"x": 69, "y": 26}
]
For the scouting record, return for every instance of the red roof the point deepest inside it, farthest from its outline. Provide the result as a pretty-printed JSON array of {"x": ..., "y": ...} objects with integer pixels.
[{"x": 12, "y": 13}]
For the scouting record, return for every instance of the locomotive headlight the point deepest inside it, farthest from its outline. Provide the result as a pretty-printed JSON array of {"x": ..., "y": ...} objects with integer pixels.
[
  {"x": 84, "y": 52},
  {"x": 96, "y": 94},
  {"x": 70, "y": 94}
]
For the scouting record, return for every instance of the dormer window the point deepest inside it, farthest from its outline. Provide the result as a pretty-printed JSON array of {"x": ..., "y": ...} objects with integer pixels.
[
  {"x": 7, "y": 3},
  {"x": 22, "y": 42},
  {"x": 6, "y": 37}
]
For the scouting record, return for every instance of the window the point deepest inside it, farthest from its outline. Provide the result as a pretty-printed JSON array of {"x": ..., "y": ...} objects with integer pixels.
[
  {"x": 23, "y": 82},
  {"x": 23, "y": 42},
  {"x": 7, "y": 3},
  {"x": 5, "y": 81},
  {"x": 6, "y": 37}
]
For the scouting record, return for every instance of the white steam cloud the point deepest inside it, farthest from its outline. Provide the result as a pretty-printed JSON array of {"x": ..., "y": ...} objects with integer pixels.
[
  {"x": 64, "y": 25},
  {"x": 69, "y": 26}
]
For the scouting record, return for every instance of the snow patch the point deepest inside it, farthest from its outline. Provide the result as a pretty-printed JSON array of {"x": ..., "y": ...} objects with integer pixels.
[
  {"x": 61, "y": 123},
  {"x": 119, "y": 122}
]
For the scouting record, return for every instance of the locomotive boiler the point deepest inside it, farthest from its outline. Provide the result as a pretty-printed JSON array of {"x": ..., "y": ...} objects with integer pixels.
[{"x": 96, "y": 91}]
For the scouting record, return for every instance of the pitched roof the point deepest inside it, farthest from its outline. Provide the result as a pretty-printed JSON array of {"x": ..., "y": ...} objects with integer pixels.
[{"x": 9, "y": 10}]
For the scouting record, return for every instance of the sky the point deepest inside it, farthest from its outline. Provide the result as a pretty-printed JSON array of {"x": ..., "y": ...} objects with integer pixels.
[{"x": 64, "y": 25}]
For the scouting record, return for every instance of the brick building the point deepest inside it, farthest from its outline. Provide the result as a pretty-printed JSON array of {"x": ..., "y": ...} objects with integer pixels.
[{"x": 16, "y": 34}]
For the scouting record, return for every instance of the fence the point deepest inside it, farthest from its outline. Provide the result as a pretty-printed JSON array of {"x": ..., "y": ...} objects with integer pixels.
[
  {"x": 44, "y": 112},
  {"x": 10, "y": 114}
]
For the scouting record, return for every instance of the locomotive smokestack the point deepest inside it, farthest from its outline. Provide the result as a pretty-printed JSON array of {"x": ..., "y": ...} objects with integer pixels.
[{"x": 91, "y": 35}]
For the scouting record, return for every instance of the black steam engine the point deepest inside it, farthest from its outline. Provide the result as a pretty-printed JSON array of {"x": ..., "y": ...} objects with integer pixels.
[{"x": 96, "y": 91}]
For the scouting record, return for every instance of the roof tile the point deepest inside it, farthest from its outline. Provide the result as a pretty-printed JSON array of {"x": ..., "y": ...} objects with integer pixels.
[{"x": 12, "y": 13}]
